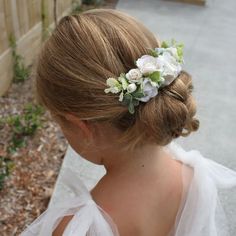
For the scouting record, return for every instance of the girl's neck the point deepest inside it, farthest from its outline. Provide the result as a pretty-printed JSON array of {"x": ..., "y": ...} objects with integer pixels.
[{"x": 116, "y": 161}]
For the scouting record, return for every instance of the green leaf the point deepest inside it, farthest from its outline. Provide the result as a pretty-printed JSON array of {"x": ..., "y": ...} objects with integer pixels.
[
  {"x": 131, "y": 108},
  {"x": 138, "y": 94},
  {"x": 155, "y": 76},
  {"x": 127, "y": 99},
  {"x": 180, "y": 51},
  {"x": 135, "y": 102},
  {"x": 164, "y": 44},
  {"x": 153, "y": 53}
]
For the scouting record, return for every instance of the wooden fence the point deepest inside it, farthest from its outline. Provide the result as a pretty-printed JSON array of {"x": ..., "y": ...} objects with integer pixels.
[{"x": 22, "y": 19}]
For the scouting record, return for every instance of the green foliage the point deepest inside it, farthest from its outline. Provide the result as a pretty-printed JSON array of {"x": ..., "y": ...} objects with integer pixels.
[
  {"x": 179, "y": 47},
  {"x": 153, "y": 53},
  {"x": 6, "y": 165},
  {"x": 24, "y": 125},
  {"x": 138, "y": 93},
  {"x": 155, "y": 76},
  {"x": 164, "y": 44},
  {"x": 20, "y": 71},
  {"x": 28, "y": 122},
  {"x": 130, "y": 101}
]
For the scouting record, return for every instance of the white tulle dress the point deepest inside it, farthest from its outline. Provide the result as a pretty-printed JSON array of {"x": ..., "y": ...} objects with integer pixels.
[{"x": 200, "y": 213}]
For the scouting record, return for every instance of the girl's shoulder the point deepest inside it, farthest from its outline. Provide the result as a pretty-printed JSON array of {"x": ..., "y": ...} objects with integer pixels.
[{"x": 134, "y": 207}]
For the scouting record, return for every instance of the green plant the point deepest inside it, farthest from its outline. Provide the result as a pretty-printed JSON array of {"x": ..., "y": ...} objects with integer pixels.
[
  {"x": 20, "y": 71},
  {"x": 6, "y": 165},
  {"x": 21, "y": 125},
  {"x": 24, "y": 125}
]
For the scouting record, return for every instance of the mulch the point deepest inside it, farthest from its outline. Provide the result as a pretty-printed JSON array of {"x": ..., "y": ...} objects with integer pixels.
[{"x": 27, "y": 190}]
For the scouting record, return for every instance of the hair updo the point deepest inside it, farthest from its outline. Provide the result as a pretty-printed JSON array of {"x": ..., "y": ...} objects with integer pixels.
[{"x": 86, "y": 49}]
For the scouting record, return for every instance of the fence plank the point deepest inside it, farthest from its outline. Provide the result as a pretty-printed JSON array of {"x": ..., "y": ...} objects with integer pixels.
[
  {"x": 15, "y": 19},
  {"x": 3, "y": 35},
  {"x": 23, "y": 16},
  {"x": 21, "y": 19},
  {"x": 8, "y": 18}
]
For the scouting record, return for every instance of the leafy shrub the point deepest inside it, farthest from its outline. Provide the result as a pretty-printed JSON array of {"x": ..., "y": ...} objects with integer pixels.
[{"x": 24, "y": 125}]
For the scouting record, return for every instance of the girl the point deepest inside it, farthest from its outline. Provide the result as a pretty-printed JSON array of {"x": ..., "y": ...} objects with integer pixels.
[{"x": 121, "y": 97}]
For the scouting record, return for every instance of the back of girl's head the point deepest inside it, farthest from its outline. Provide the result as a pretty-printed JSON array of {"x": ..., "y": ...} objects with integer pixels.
[{"x": 86, "y": 49}]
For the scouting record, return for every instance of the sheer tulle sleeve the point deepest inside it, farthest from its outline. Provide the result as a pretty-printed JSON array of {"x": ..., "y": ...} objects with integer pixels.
[
  {"x": 88, "y": 218},
  {"x": 201, "y": 213}
]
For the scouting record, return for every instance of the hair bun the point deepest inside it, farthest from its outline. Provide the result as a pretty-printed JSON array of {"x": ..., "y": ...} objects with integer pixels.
[{"x": 171, "y": 113}]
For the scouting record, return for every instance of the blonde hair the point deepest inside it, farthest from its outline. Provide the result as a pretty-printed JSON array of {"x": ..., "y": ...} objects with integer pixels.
[{"x": 83, "y": 51}]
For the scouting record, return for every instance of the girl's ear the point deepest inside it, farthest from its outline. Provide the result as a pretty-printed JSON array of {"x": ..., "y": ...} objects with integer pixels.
[{"x": 84, "y": 125}]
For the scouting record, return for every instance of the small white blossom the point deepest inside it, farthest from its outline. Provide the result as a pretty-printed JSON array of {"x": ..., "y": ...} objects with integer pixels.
[
  {"x": 134, "y": 75},
  {"x": 112, "y": 90},
  {"x": 114, "y": 85},
  {"x": 111, "y": 82},
  {"x": 149, "y": 90},
  {"x": 131, "y": 88}
]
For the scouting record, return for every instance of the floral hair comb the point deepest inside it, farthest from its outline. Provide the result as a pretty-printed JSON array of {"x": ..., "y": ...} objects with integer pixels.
[{"x": 153, "y": 71}]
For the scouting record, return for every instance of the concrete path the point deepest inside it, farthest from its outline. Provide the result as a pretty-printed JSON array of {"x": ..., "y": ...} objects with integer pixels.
[{"x": 209, "y": 35}]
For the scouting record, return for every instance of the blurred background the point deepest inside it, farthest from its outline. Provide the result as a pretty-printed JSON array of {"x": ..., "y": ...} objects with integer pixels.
[{"x": 33, "y": 151}]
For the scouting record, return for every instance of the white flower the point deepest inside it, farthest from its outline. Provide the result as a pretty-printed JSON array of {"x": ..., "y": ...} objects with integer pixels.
[
  {"x": 173, "y": 52},
  {"x": 171, "y": 67},
  {"x": 114, "y": 85},
  {"x": 147, "y": 64},
  {"x": 149, "y": 90},
  {"x": 134, "y": 75},
  {"x": 131, "y": 88}
]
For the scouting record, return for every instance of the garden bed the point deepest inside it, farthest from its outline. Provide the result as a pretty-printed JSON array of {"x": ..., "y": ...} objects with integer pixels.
[{"x": 27, "y": 188}]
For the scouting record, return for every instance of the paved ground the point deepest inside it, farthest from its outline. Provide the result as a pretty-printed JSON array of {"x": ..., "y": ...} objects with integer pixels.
[{"x": 209, "y": 35}]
